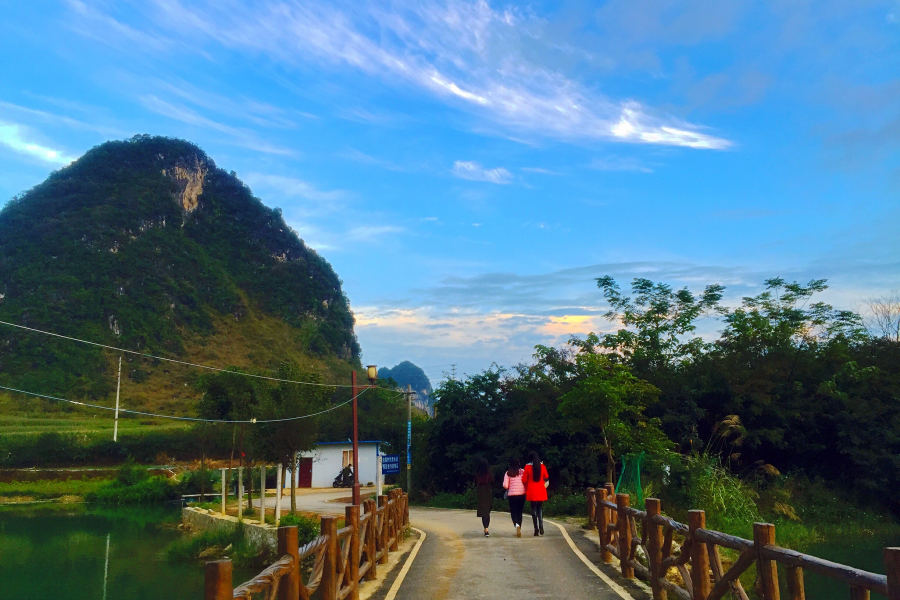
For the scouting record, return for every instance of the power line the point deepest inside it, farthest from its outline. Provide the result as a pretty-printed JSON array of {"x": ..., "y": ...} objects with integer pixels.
[
  {"x": 172, "y": 360},
  {"x": 146, "y": 414}
]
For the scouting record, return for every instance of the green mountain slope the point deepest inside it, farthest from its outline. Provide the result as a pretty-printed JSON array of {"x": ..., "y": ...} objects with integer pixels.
[{"x": 146, "y": 244}]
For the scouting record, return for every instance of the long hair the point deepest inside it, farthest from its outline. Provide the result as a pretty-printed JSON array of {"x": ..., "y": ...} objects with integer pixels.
[
  {"x": 513, "y": 467},
  {"x": 482, "y": 471},
  {"x": 535, "y": 461}
]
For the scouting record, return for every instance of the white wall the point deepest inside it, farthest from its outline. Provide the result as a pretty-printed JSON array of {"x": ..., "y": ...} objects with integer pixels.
[{"x": 328, "y": 462}]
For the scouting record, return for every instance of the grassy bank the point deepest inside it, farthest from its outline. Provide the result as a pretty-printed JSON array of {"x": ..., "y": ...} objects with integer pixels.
[{"x": 211, "y": 545}]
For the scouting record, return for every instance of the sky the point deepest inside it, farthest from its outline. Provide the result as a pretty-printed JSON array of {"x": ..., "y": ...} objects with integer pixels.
[{"x": 470, "y": 168}]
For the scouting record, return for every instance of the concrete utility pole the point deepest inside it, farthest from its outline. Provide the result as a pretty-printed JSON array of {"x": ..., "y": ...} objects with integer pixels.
[
  {"x": 356, "y": 491},
  {"x": 409, "y": 396},
  {"x": 118, "y": 388}
]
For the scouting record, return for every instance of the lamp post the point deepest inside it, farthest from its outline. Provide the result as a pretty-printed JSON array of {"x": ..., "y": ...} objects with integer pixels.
[{"x": 372, "y": 375}]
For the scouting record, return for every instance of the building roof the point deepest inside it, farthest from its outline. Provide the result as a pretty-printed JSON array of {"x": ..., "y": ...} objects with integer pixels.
[{"x": 349, "y": 443}]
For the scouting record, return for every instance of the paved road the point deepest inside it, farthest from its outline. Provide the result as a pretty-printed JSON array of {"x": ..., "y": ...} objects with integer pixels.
[
  {"x": 456, "y": 561},
  {"x": 317, "y": 500}
]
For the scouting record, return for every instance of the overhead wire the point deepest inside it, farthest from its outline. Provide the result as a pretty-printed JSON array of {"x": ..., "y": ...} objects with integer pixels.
[
  {"x": 173, "y": 417},
  {"x": 172, "y": 360}
]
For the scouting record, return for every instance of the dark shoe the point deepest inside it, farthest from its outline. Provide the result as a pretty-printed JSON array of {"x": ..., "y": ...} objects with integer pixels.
[
  {"x": 536, "y": 533},
  {"x": 542, "y": 529},
  {"x": 486, "y": 534}
]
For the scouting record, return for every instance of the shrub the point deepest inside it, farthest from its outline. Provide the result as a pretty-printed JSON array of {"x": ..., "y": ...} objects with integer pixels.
[
  {"x": 308, "y": 528},
  {"x": 134, "y": 485}
]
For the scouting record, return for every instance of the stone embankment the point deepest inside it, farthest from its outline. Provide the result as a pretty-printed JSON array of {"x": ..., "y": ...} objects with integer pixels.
[{"x": 209, "y": 520}]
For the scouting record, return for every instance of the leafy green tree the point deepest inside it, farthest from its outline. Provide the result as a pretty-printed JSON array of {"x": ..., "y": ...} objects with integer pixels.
[
  {"x": 230, "y": 396},
  {"x": 657, "y": 321},
  {"x": 283, "y": 441},
  {"x": 609, "y": 400}
]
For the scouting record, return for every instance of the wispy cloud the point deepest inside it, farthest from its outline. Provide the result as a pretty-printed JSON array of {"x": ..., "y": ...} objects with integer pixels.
[
  {"x": 540, "y": 171},
  {"x": 15, "y": 137},
  {"x": 294, "y": 188},
  {"x": 240, "y": 136},
  {"x": 618, "y": 163},
  {"x": 371, "y": 233},
  {"x": 475, "y": 172},
  {"x": 465, "y": 53}
]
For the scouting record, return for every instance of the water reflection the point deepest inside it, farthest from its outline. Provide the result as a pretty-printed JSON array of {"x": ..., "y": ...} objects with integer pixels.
[{"x": 113, "y": 555}]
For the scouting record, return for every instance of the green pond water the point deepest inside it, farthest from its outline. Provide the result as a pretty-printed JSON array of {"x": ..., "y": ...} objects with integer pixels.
[
  {"x": 863, "y": 553},
  {"x": 109, "y": 555}
]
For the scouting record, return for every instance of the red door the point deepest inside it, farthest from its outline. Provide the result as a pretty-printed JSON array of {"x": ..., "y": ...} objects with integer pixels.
[{"x": 304, "y": 473}]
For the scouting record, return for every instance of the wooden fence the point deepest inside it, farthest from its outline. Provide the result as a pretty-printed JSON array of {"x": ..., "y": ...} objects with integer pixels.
[
  {"x": 699, "y": 564},
  {"x": 341, "y": 557}
]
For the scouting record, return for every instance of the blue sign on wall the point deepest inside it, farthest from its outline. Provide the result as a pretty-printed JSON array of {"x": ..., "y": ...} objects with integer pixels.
[{"x": 390, "y": 464}]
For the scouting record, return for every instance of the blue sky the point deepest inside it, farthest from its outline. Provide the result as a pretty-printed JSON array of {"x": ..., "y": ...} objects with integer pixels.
[{"x": 469, "y": 168}]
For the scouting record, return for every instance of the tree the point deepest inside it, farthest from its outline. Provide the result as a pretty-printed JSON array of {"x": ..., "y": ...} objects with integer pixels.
[
  {"x": 885, "y": 316},
  {"x": 659, "y": 318},
  {"x": 283, "y": 441},
  {"x": 230, "y": 396},
  {"x": 610, "y": 400}
]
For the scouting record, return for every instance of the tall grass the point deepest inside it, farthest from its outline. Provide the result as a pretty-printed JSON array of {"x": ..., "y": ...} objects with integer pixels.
[{"x": 212, "y": 545}]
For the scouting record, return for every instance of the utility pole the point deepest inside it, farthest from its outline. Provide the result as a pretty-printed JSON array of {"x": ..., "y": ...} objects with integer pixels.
[
  {"x": 453, "y": 373},
  {"x": 356, "y": 491},
  {"x": 118, "y": 388},
  {"x": 409, "y": 396}
]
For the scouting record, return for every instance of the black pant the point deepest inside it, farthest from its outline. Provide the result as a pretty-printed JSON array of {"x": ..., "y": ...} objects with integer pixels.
[
  {"x": 486, "y": 521},
  {"x": 537, "y": 514},
  {"x": 516, "y": 507}
]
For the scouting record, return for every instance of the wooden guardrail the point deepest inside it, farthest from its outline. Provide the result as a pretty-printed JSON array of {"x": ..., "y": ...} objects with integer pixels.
[
  {"x": 617, "y": 524},
  {"x": 341, "y": 557}
]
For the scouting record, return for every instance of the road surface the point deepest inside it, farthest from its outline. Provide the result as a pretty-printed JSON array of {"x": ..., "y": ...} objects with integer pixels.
[
  {"x": 456, "y": 561},
  {"x": 324, "y": 501}
]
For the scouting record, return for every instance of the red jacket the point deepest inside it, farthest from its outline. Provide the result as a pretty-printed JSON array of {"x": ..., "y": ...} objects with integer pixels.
[{"x": 535, "y": 490}]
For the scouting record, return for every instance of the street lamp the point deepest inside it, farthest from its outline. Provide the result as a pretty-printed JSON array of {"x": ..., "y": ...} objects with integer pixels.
[{"x": 372, "y": 375}]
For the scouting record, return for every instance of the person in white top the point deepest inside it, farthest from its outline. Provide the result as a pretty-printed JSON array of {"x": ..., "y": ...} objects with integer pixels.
[{"x": 515, "y": 493}]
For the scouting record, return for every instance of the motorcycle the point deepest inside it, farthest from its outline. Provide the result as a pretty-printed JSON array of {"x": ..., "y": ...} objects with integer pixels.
[{"x": 344, "y": 479}]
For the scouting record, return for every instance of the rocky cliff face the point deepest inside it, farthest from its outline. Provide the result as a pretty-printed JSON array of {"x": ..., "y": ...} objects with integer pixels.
[{"x": 189, "y": 179}]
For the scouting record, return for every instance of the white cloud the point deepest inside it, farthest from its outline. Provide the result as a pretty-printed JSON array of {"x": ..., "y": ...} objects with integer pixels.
[
  {"x": 241, "y": 136},
  {"x": 293, "y": 188},
  {"x": 475, "y": 172},
  {"x": 464, "y": 53},
  {"x": 540, "y": 171},
  {"x": 13, "y": 137},
  {"x": 373, "y": 233},
  {"x": 618, "y": 163}
]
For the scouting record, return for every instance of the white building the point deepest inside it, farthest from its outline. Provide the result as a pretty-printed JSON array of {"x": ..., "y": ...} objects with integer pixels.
[{"x": 321, "y": 466}]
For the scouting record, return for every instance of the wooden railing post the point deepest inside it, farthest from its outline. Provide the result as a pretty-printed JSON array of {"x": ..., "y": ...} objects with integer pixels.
[
  {"x": 384, "y": 530},
  {"x": 288, "y": 543},
  {"x": 395, "y": 520},
  {"x": 590, "y": 507},
  {"x": 611, "y": 496},
  {"x": 622, "y": 501},
  {"x": 654, "y": 546},
  {"x": 405, "y": 510},
  {"x": 371, "y": 532},
  {"x": 699, "y": 556},
  {"x": 329, "y": 585},
  {"x": 892, "y": 565},
  {"x": 766, "y": 570},
  {"x": 796, "y": 588},
  {"x": 217, "y": 585},
  {"x": 603, "y": 527},
  {"x": 351, "y": 518}
]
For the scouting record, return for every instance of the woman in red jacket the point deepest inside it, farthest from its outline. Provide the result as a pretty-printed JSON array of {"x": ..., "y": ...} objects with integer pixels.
[{"x": 536, "y": 480}]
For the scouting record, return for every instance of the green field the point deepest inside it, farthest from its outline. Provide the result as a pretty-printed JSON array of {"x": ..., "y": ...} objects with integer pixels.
[{"x": 82, "y": 425}]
